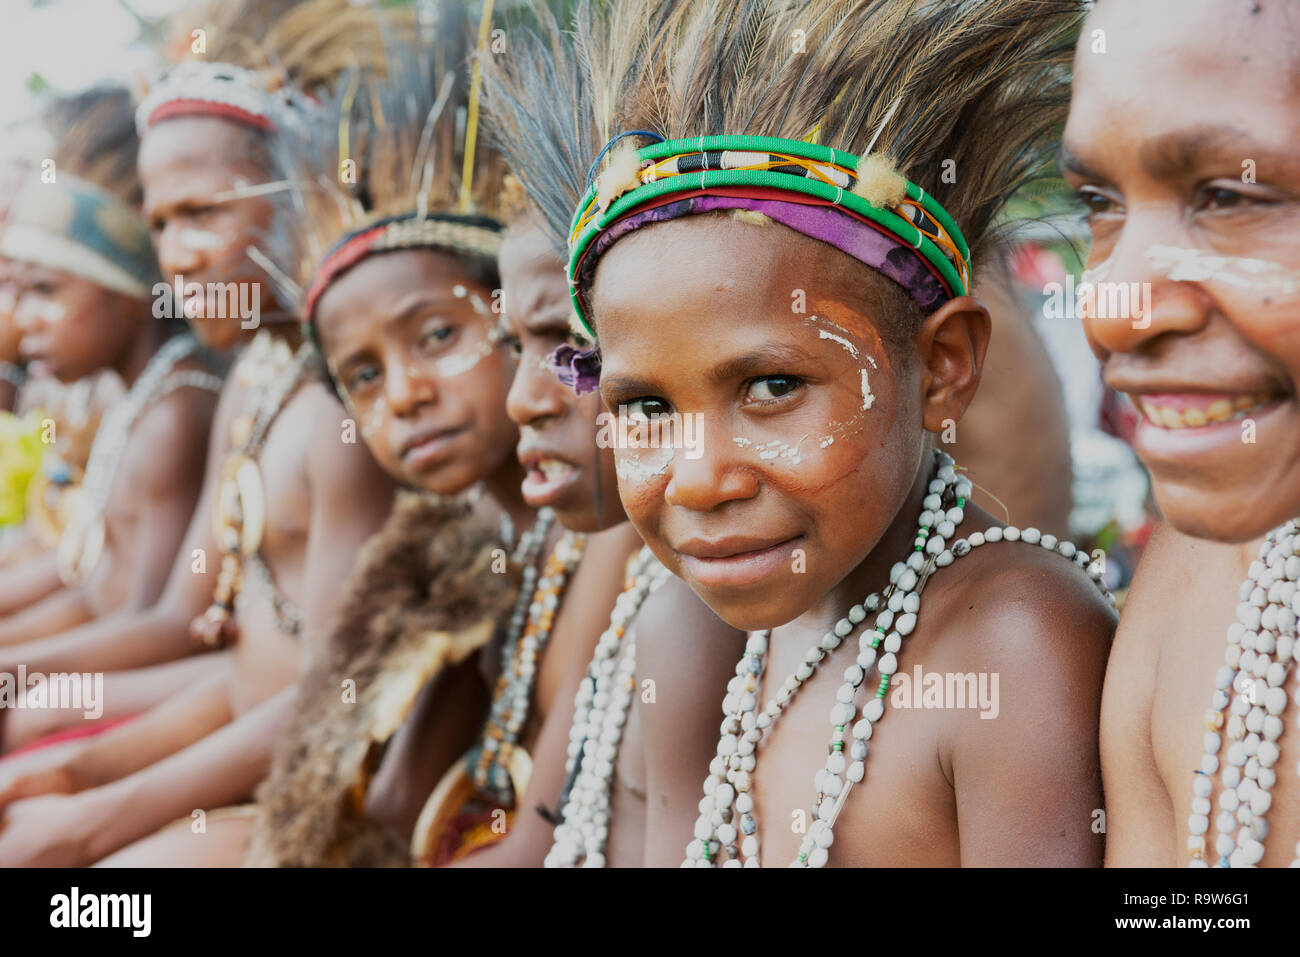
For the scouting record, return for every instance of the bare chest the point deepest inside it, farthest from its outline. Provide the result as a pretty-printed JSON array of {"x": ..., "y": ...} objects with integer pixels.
[{"x": 903, "y": 812}]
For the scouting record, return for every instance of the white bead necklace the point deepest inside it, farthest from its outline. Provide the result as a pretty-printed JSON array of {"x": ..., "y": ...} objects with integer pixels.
[
  {"x": 730, "y": 781},
  {"x": 601, "y": 708},
  {"x": 1261, "y": 648}
]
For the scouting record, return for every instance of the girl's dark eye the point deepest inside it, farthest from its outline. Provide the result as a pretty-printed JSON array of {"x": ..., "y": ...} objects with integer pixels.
[
  {"x": 1098, "y": 204},
  {"x": 361, "y": 377},
  {"x": 437, "y": 336},
  {"x": 771, "y": 388},
  {"x": 645, "y": 408},
  {"x": 514, "y": 345}
]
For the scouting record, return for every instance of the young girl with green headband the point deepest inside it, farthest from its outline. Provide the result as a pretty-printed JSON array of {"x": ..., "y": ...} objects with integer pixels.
[{"x": 769, "y": 243}]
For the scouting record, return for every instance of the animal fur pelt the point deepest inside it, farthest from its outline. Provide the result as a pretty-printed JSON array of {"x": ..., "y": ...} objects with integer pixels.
[{"x": 423, "y": 597}]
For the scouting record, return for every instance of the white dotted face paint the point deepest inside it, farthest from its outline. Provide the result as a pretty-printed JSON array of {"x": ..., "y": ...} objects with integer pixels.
[
  {"x": 200, "y": 240},
  {"x": 1097, "y": 273},
  {"x": 868, "y": 400},
  {"x": 373, "y": 420},
  {"x": 643, "y": 465},
  {"x": 776, "y": 449},
  {"x": 475, "y": 300},
  {"x": 49, "y": 311},
  {"x": 1193, "y": 265}
]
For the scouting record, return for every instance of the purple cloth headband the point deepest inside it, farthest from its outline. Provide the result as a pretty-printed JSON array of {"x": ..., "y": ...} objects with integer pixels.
[
  {"x": 829, "y": 224},
  {"x": 580, "y": 370}
]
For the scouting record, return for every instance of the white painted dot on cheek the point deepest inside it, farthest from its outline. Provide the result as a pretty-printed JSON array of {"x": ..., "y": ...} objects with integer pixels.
[{"x": 1097, "y": 273}]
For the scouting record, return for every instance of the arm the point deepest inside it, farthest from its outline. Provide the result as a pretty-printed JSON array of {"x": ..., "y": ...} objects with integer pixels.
[
  {"x": 350, "y": 499},
  {"x": 159, "y": 633},
  {"x": 679, "y": 728},
  {"x": 1027, "y": 782},
  {"x": 77, "y": 829},
  {"x": 222, "y": 768},
  {"x": 176, "y": 723},
  {"x": 531, "y": 834},
  {"x": 25, "y": 584},
  {"x": 65, "y": 608},
  {"x": 1139, "y": 815},
  {"x": 165, "y": 487}
]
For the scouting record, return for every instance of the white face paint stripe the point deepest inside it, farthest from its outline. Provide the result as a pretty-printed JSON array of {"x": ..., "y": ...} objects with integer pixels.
[
  {"x": 449, "y": 367},
  {"x": 48, "y": 310},
  {"x": 200, "y": 240},
  {"x": 1193, "y": 265},
  {"x": 852, "y": 349}
]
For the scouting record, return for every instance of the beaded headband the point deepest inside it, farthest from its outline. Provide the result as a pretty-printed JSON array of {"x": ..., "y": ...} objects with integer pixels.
[
  {"x": 862, "y": 206},
  {"x": 199, "y": 88},
  {"x": 469, "y": 235},
  {"x": 76, "y": 226}
]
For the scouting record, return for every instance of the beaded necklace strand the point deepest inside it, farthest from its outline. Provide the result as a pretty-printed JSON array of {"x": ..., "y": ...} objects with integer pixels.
[
  {"x": 600, "y": 715},
  {"x": 726, "y": 825},
  {"x": 1251, "y": 683},
  {"x": 529, "y": 632}
]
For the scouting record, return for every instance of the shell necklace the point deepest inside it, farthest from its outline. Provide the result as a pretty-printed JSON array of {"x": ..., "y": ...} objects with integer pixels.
[
  {"x": 1252, "y": 684},
  {"x": 239, "y": 515},
  {"x": 726, "y": 826},
  {"x": 600, "y": 714}
]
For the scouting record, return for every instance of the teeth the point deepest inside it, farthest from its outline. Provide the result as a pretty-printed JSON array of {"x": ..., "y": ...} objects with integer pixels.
[
  {"x": 553, "y": 468},
  {"x": 1220, "y": 410}
]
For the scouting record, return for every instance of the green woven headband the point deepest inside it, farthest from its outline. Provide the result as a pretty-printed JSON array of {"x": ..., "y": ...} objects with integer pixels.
[{"x": 755, "y": 170}]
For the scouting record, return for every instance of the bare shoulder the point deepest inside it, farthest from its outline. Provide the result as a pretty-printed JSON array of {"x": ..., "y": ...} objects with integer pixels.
[
  {"x": 336, "y": 452},
  {"x": 687, "y": 650},
  {"x": 675, "y": 626},
  {"x": 167, "y": 448},
  {"x": 1021, "y": 601}
]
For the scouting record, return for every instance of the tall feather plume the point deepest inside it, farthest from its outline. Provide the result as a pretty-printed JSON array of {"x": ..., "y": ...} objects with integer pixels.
[
  {"x": 538, "y": 112},
  {"x": 320, "y": 47},
  {"x": 981, "y": 83},
  {"x": 402, "y": 114}
]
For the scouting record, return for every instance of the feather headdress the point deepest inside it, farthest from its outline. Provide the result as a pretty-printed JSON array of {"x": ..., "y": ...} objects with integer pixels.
[
  {"x": 933, "y": 110},
  {"x": 279, "y": 69},
  {"x": 421, "y": 179}
]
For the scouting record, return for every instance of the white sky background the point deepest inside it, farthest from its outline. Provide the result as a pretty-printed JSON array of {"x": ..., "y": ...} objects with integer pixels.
[{"x": 72, "y": 44}]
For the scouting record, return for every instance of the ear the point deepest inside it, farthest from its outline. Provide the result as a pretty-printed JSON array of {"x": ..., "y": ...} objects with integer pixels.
[{"x": 951, "y": 344}]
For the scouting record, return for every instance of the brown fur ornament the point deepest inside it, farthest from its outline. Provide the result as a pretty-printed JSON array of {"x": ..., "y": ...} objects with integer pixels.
[{"x": 423, "y": 597}]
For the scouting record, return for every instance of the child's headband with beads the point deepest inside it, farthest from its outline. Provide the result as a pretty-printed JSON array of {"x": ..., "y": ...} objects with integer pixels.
[
  {"x": 198, "y": 88},
  {"x": 862, "y": 206},
  {"x": 464, "y": 235}
]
